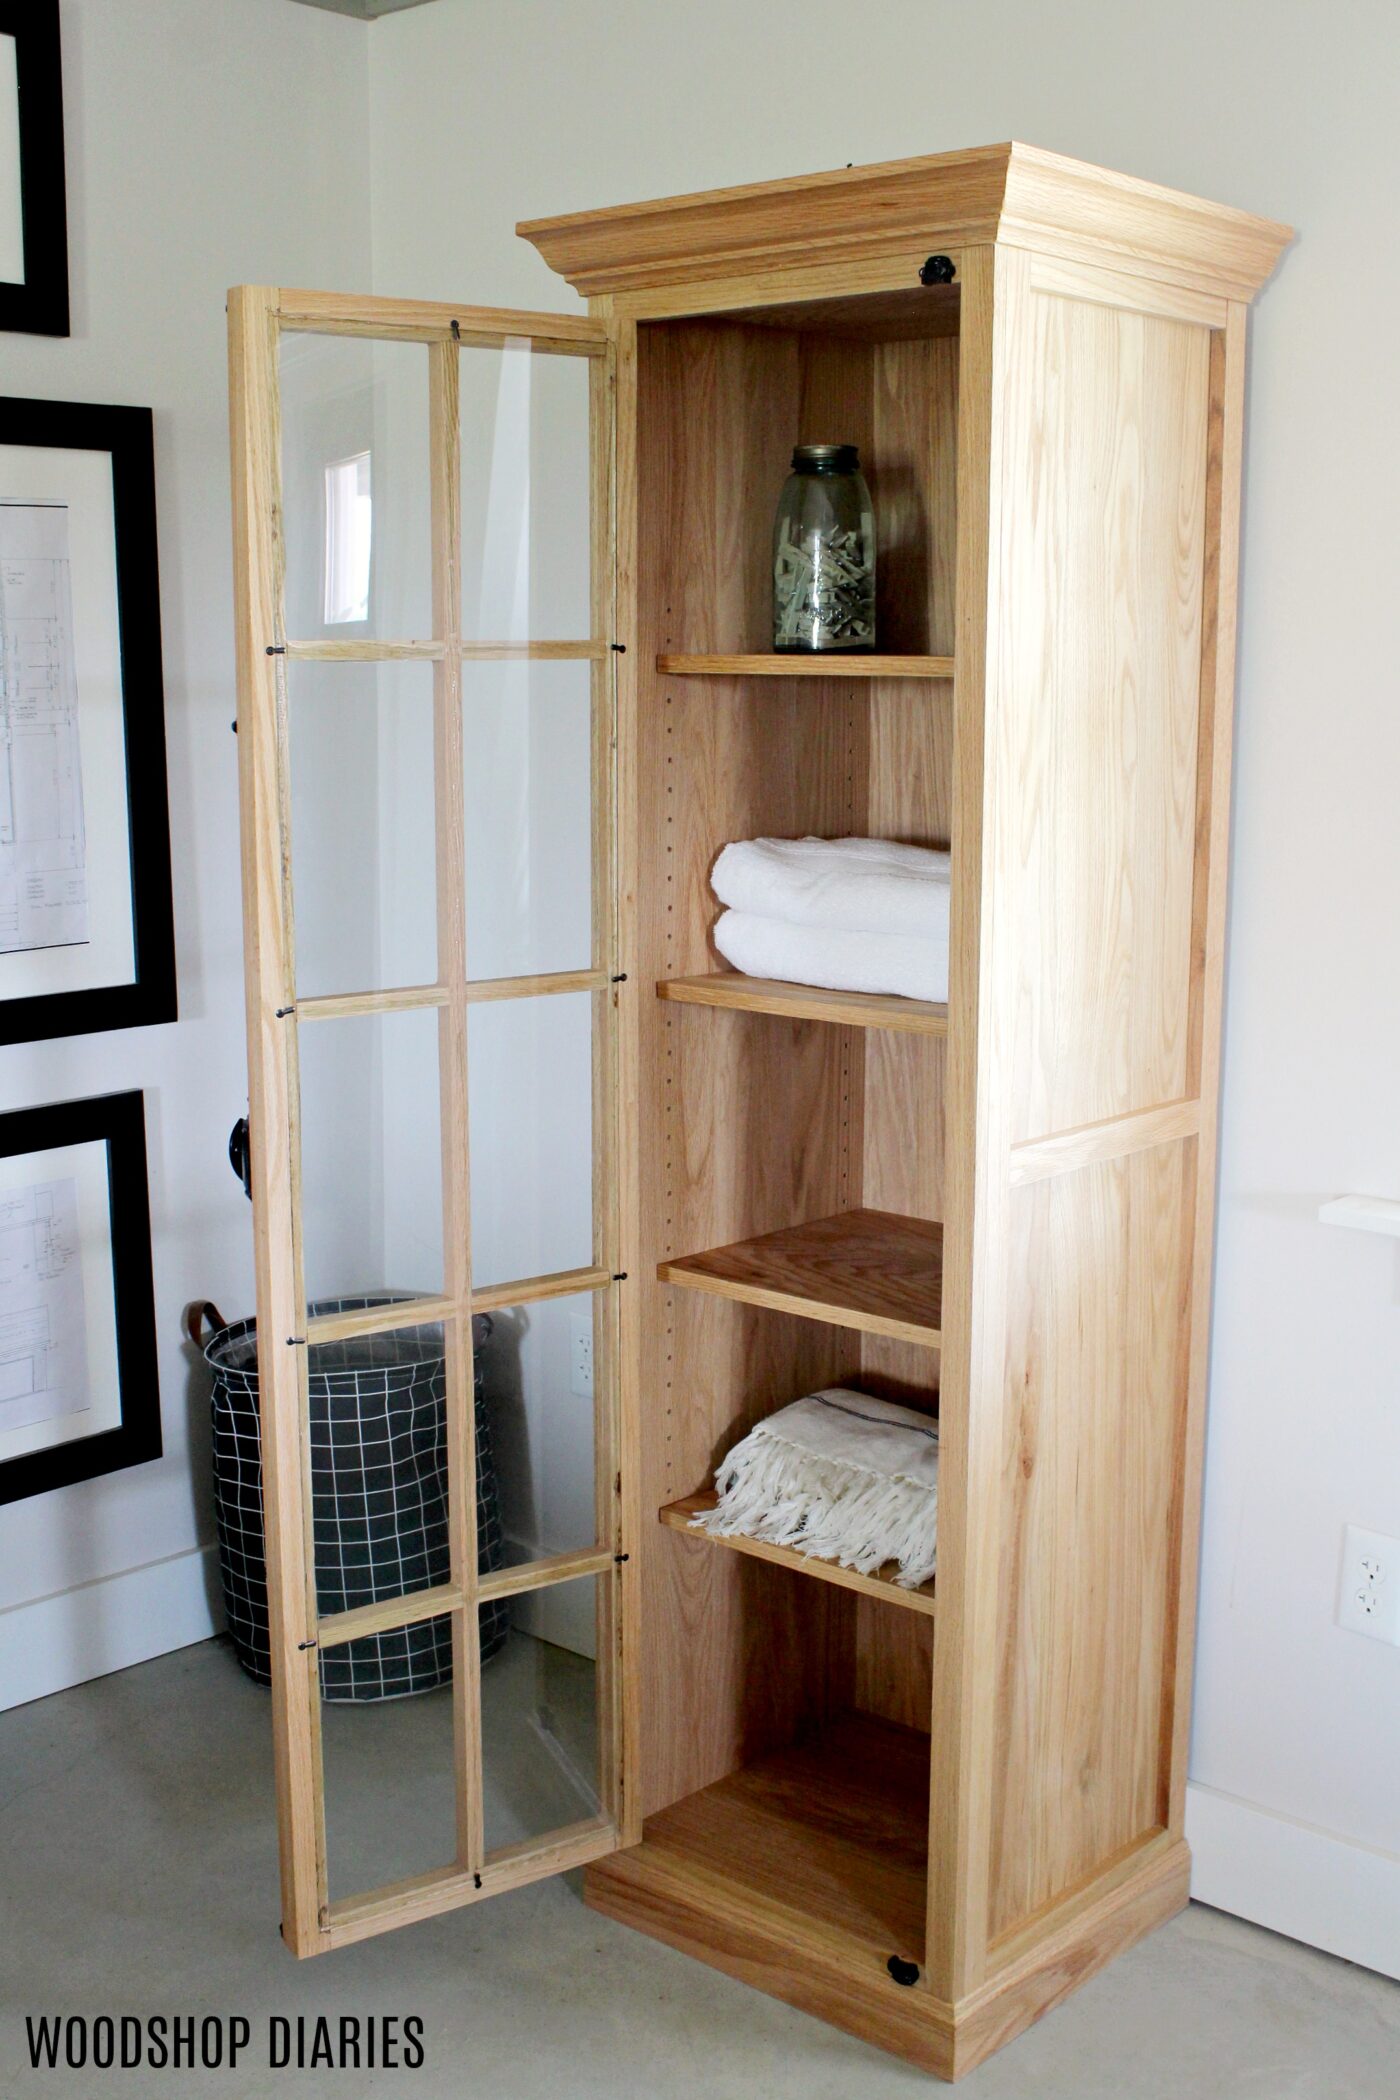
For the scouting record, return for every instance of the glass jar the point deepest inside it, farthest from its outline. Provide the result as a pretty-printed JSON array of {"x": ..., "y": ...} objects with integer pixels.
[{"x": 824, "y": 554}]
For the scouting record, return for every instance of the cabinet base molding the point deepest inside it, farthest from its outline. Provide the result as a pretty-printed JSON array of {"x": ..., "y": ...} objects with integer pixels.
[{"x": 656, "y": 1893}]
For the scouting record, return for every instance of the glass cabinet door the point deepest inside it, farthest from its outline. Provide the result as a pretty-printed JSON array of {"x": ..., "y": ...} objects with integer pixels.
[{"x": 426, "y": 750}]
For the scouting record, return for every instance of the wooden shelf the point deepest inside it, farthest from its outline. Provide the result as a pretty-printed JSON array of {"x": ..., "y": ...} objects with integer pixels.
[
  {"x": 806, "y": 1002},
  {"x": 821, "y": 1847},
  {"x": 866, "y": 1269},
  {"x": 836, "y": 665},
  {"x": 881, "y": 1585}
]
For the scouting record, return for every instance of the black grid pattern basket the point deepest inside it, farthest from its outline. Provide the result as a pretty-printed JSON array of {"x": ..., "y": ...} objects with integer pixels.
[{"x": 378, "y": 1497}]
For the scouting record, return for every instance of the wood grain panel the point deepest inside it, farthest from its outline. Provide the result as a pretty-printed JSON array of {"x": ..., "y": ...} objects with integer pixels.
[
  {"x": 1095, "y": 1387},
  {"x": 912, "y": 473},
  {"x": 894, "y": 1664},
  {"x": 1104, "y": 516},
  {"x": 904, "y": 1124}
]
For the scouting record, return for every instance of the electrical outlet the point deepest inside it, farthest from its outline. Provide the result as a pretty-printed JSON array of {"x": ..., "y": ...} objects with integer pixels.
[
  {"x": 581, "y": 1359},
  {"x": 1369, "y": 1594}
]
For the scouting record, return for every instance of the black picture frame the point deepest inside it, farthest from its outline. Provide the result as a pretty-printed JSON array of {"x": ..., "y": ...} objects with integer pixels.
[
  {"x": 38, "y": 306},
  {"x": 119, "y": 1120},
  {"x": 128, "y": 435}
]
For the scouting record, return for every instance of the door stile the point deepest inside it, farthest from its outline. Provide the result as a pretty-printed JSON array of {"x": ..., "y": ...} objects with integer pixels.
[
  {"x": 273, "y": 1114},
  {"x": 444, "y": 453},
  {"x": 608, "y": 1527},
  {"x": 627, "y": 1054}
]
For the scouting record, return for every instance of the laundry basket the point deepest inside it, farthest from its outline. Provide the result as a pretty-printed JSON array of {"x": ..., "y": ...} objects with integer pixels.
[{"x": 378, "y": 1494}]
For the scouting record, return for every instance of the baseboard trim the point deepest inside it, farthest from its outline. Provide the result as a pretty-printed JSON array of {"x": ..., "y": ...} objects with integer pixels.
[
  {"x": 1306, "y": 1883},
  {"x": 52, "y": 1643},
  {"x": 661, "y": 1891}
]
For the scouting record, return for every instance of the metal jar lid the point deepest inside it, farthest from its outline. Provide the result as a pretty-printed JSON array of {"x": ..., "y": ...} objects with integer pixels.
[{"x": 826, "y": 459}]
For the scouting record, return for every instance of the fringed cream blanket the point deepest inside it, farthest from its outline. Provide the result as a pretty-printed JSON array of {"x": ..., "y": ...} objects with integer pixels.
[{"x": 839, "y": 1475}]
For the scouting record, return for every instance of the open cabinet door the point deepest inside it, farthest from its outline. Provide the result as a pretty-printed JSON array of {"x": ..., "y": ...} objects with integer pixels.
[{"x": 423, "y": 547}]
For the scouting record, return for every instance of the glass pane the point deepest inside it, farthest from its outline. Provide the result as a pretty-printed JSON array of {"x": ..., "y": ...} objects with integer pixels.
[
  {"x": 355, "y": 488},
  {"x": 371, "y": 1158},
  {"x": 363, "y": 838},
  {"x": 529, "y": 811},
  {"x": 535, "y": 1460},
  {"x": 387, "y": 1757},
  {"x": 539, "y": 1711},
  {"x": 525, "y": 495},
  {"x": 530, "y": 1103},
  {"x": 379, "y": 1484}
]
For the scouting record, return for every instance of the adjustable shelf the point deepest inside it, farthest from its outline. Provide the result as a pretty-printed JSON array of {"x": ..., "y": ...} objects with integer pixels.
[
  {"x": 804, "y": 1002},
  {"x": 881, "y": 1585},
  {"x": 866, "y": 1269},
  {"x": 836, "y": 665}
]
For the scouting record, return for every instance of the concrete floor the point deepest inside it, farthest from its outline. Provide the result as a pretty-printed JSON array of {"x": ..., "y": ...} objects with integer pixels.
[{"x": 138, "y": 1874}]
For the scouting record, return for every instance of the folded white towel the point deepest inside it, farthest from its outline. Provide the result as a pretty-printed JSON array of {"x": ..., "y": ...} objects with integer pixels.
[
  {"x": 850, "y": 885},
  {"x": 841, "y": 1476},
  {"x": 842, "y": 962}
]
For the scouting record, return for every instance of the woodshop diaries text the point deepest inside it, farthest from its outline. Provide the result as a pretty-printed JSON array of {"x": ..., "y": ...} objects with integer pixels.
[{"x": 218, "y": 2041}]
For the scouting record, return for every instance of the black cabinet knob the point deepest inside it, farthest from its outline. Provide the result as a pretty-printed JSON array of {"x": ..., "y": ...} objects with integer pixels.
[{"x": 939, "y": 269}]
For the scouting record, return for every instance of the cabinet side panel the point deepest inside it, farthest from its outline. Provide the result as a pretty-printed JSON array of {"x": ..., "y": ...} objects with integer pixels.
[
  {"x": 1095, "y": 1391},
  {"x": 1102, "y": 522},
  {"x": 1104, "y": 537}
]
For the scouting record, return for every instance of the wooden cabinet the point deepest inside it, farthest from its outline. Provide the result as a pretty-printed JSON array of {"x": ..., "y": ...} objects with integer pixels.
[{"x": 925, "y": 1816}]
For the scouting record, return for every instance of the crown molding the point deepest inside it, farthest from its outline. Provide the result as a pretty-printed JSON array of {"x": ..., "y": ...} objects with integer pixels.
[{"x": 1018, "y": 195}]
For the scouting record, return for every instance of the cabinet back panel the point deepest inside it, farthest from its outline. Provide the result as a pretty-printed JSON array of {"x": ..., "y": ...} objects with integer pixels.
[
  {"x": 912, "y": 470},
  {"x": 893, "y": 1663},
  {"x": 741, "y": 1126},
  {"x": 751, "y": 1123},
  {"x": 909, "y": 793}
]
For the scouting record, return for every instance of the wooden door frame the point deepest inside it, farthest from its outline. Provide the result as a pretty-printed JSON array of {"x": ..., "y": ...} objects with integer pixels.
[{"x": 258, "y": 316}]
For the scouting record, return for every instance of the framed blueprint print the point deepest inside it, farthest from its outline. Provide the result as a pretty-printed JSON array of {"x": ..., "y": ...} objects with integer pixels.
[
  {"x": 78, "y": 1385},
  {"x": 86, "y": 932},
  {"x": 33, "y": 211}
]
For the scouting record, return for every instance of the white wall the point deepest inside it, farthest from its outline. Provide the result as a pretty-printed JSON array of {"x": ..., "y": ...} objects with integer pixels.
[
  {"x": 1288, "y": 109},
  {"x": 207, "y": 144}
]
